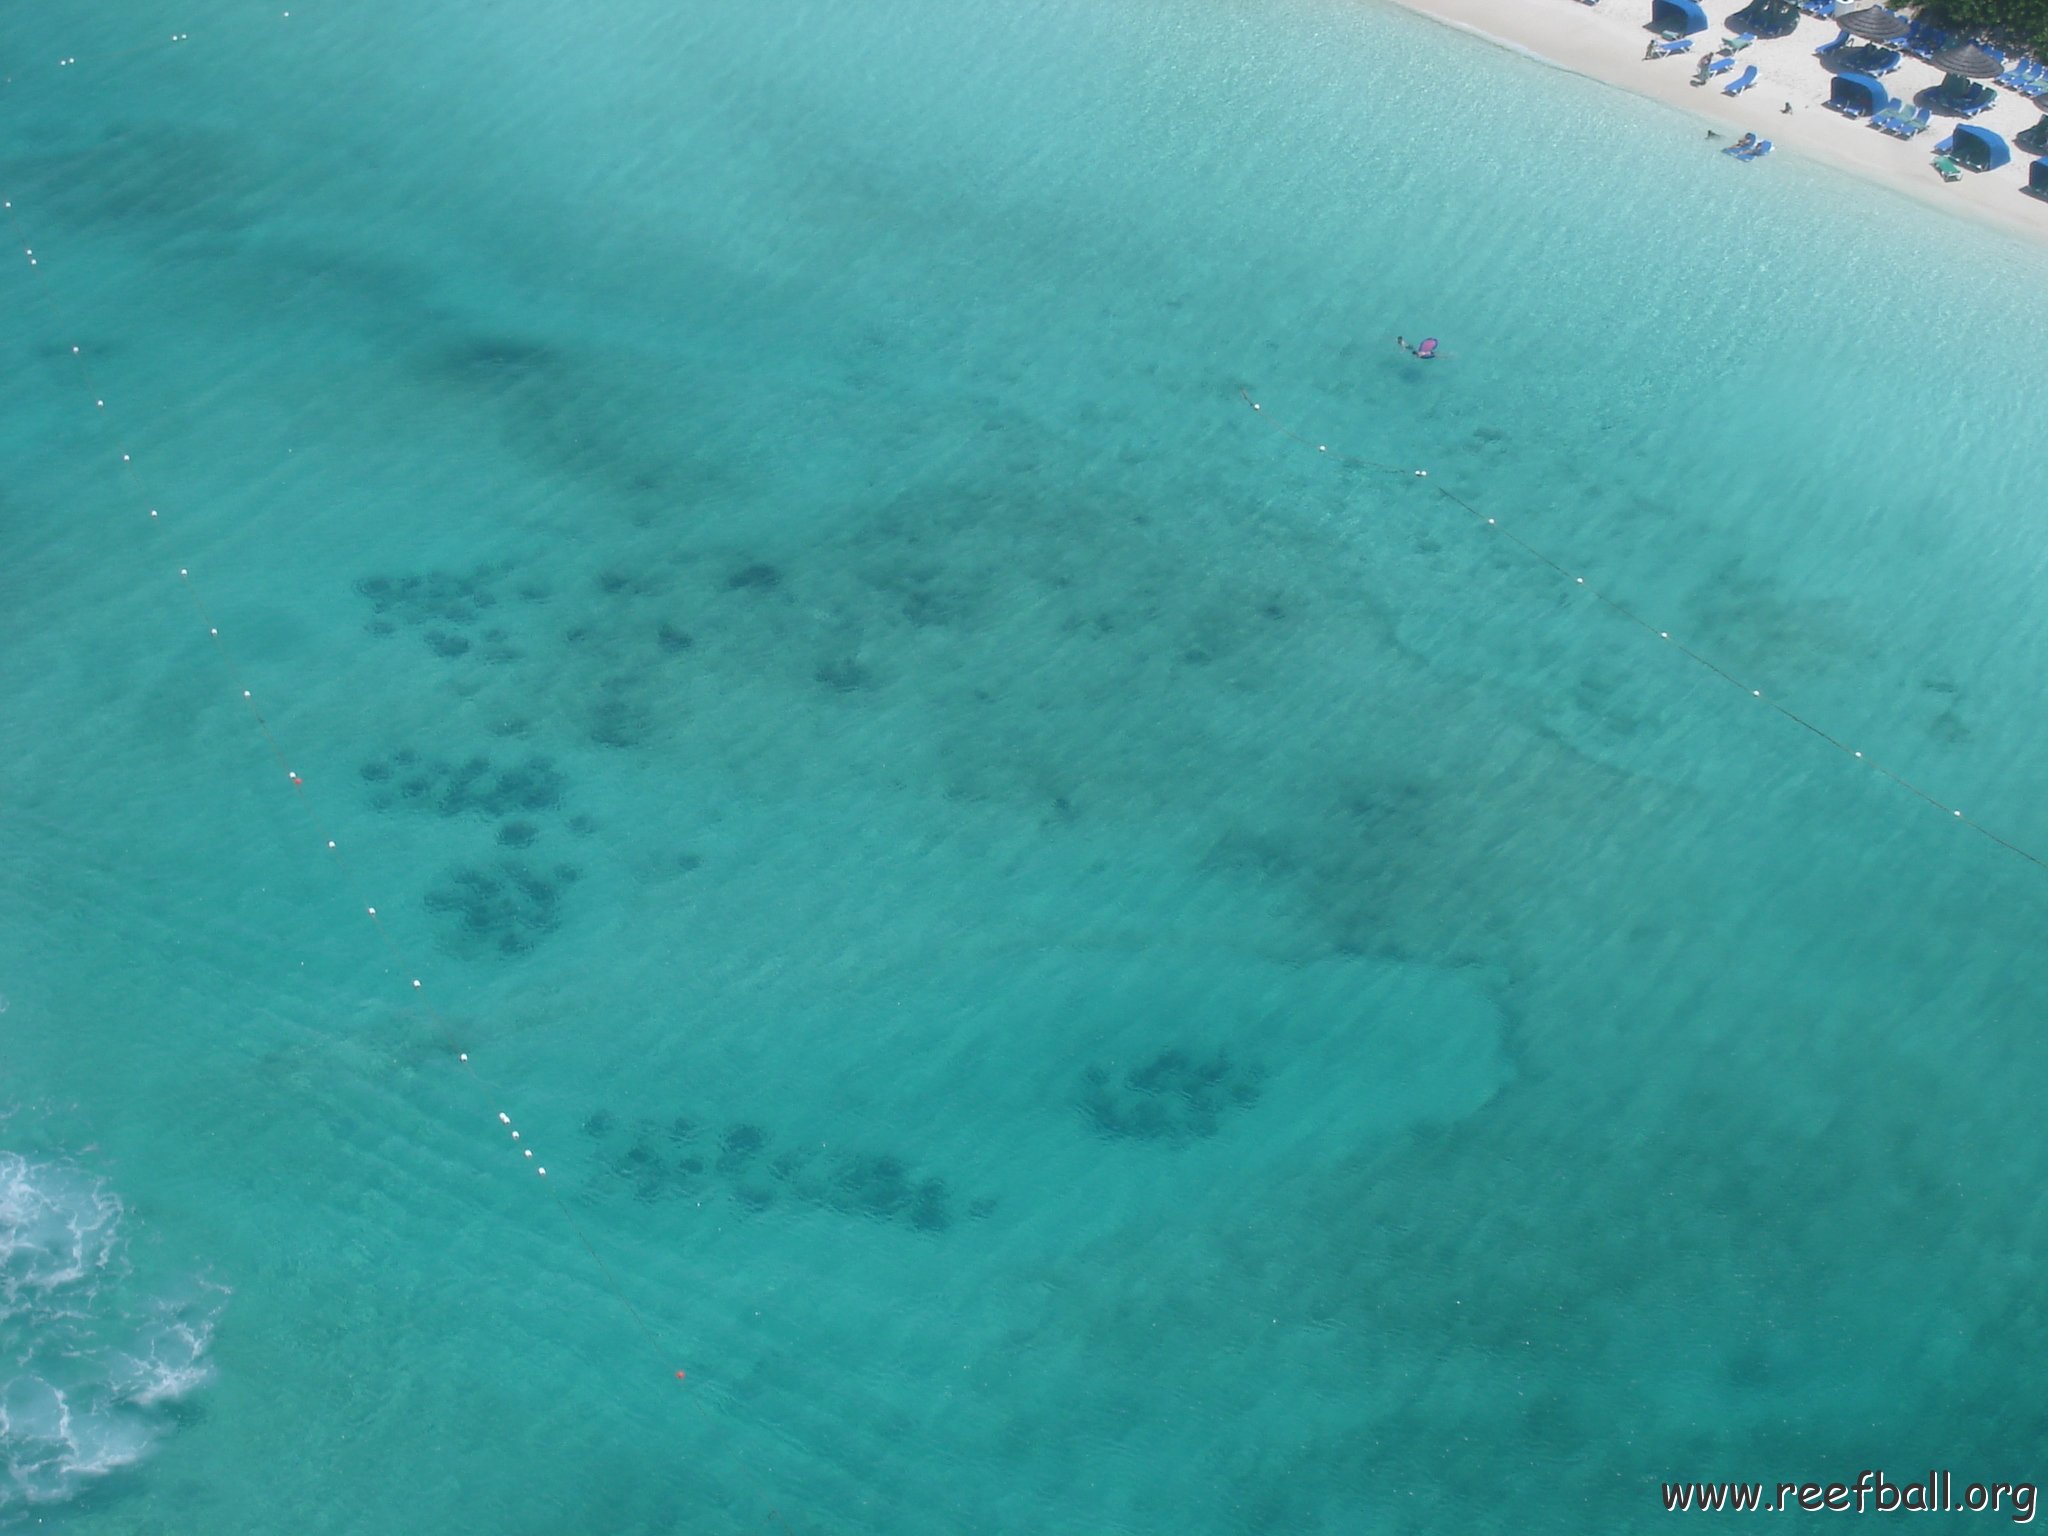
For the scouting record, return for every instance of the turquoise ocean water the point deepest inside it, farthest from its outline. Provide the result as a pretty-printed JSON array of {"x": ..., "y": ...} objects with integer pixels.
[{"x": 1079, "y": 967}]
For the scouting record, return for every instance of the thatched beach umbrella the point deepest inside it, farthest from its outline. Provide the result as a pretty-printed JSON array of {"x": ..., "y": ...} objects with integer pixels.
[
  {"x": 1874, "y": 24},
  {"x": 1961, "y": 63},
  {"x": 1968, "y": 61}
]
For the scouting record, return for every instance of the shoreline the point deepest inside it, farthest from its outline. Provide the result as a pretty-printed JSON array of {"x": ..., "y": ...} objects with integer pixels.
[{"x": 1604, "y": 42}]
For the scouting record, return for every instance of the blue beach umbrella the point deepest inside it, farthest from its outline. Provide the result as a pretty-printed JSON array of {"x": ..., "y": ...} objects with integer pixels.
[
  {"x": 1676, "y": 18},
  {"x": 2034, "y": 140},
  {"x": 1855, "y": 95},
  {"x": 1978, "y": 149}
]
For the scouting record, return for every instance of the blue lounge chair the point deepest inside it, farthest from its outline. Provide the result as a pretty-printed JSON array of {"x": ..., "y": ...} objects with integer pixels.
[
  {"x": 1719, "y": 66},
  {"x": 1905, "y": 121},
  {"x": 1740, "y": 83},
  {"x": 1670, "y": 46},
  {"x": 1754, "y": 151},
  {"x": 1925, "y": 38},
  {"x": 1887, "y": 121},
  {"x": 1882, "y": 62},
  {"x": 1821, "y": 8},
  {"x": 1739, "y": 42}
]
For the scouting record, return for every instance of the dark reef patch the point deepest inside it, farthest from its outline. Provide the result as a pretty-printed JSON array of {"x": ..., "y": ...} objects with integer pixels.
[
  {"x": 1176, "y": 1096},
  {"x": 755, "y": 578},
  {"x": 438, "y": 601},
  {"x": 502, "y": 908},
  {"x": 475, "y": 786},
  {"x": 618, "y": 716},
  {"x": 843, "y": 675},
  {"x": 445, "y": 608},
  {"x": 682, "y": 1158}
]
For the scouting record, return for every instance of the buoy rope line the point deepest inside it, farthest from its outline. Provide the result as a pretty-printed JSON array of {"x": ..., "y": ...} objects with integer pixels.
[
  {"x": 72, "y": 60},
  {"x": 1662, "y": 636},
  {"x": 141, "y": 496}
]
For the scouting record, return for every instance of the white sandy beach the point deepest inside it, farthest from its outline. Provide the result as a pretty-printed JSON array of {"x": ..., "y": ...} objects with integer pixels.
[{"x": 1606, "y": 42}]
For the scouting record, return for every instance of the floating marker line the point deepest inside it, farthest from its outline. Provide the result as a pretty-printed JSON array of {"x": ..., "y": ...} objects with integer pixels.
[
  {"x": 146, "y": 500},
  {"x": 1662, "y": 636},
  {"x": 69, "y": 62},
  {"x": 136, "y": 52}
]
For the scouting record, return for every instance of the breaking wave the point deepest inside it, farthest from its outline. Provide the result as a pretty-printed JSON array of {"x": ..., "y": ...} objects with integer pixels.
[{"x": 89, "y": 1368}]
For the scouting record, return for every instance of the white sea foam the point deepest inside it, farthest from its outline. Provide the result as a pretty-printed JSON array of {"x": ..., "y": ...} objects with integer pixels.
[{"x": 88, "y": 1365}]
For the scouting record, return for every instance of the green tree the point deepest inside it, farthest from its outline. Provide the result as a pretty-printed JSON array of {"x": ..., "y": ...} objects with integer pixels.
[{"x": 2016, "y": 23}]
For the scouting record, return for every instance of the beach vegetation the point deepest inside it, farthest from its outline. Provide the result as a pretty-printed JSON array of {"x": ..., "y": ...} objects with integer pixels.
[{"x": 2018, "y": 23}]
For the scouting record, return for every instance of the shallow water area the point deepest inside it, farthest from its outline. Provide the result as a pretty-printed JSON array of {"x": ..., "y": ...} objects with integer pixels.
[{"x": 1075, "y": 964}]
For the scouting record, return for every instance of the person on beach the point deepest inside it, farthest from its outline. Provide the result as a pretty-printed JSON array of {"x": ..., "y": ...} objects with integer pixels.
[
  {"x": 1651, "y": 51},
  {"x": 1788, "y": 109}
]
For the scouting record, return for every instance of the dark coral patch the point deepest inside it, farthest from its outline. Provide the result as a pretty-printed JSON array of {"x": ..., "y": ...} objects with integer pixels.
[
  {"x": 475, "y": 786},
  {"x": 505, "y": 908},
  {"x": 758, "y": 578},
  {"x": 1176, "y": 1096}
]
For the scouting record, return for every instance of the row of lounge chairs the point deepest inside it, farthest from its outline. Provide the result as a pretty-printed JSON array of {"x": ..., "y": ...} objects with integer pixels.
[
  {"x": 1924, "y": 39},
  {"x": 2026, "y": 77},
  {"x": 1873, "y": 60},
  {"x": 1978, "y": 98},
  {"x": 1902, "y": 120}
]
